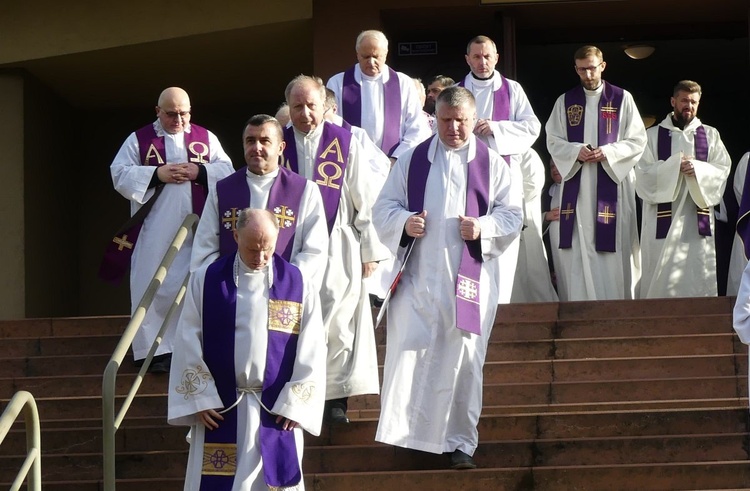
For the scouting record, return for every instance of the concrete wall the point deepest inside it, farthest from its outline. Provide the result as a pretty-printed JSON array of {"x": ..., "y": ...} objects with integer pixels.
[{"x": 12, "y": 223}]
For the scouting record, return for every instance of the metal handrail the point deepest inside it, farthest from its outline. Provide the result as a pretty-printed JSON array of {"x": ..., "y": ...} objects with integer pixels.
[
  {"x": 24, "y": 401},
  {"x": 110, "y": 424}
]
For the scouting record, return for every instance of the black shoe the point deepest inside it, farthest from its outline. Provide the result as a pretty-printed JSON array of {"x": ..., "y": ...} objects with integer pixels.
[
  {"x": 376, "y": 301},
  {"x": 160, "y": 363},
  {"x": 460, "y": 460},
  {"x": 138, "y": 363},
  {"x": 334, "y": 412}
]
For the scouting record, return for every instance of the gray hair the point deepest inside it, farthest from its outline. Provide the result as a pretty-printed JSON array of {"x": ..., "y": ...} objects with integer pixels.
[
  {"x": 373, "y": 34},
  {"x": 256, "y": 216},
  {"x": 456, "y": 96},
  {"x": 302, "y": 80}
]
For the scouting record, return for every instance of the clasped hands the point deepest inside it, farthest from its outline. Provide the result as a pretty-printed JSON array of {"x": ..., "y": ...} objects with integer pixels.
[
  {"x": 210, "y": 419},
  {"x": 590, "y": 155},
  {"x": 686, "y": 166},
  {"x": 177, "y": 173},
  {"x": 415, "y": 226}
]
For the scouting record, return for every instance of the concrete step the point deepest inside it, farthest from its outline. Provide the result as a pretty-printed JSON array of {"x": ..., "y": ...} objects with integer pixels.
[
  {"x": 80, "y": 385},
  {"x": 59, "y": 345},
  {"x": 157, "y": 483},
  {"x": 660, "y": 307},
  {"x": 643, "y": 477},
  {"x": 43, "y": 366},
  {"x": 556, "y": 425},
  {"x": 64, "y": 326}
]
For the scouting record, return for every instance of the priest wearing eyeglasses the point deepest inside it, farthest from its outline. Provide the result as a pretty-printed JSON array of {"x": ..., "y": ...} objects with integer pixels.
[
  {"x": 164, "y": 169},
  {"x": 595, "y": 135}
]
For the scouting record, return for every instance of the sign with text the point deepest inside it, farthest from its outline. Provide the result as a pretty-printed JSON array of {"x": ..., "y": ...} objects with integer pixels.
[{"x": 418, "y": 48}]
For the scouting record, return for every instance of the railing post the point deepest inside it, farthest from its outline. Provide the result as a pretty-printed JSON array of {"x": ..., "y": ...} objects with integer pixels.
[{"x": 32, "y": 465}]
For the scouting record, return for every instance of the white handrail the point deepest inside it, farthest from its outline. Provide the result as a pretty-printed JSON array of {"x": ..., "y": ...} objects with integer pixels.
[
  {"x": 110, "y": 424},
  {"x": 24, "y": 401}
]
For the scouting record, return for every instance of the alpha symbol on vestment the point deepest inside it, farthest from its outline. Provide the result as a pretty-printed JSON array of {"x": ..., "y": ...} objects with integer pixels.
[
  {"x": 284, "y": 215},
  {"x": 467, "y": 289}
]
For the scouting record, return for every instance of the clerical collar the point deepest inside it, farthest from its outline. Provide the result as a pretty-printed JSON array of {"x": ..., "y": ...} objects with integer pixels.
[
  {"x": 483, "y": 79},
  {"x": 160, "y": 131},
  {"x": 597, "y": 90},
  {"x": 241, "y": 268},
  {"x": 373, "y": 78},
  {"x": 257, "y": 177},
  {"x": 311, "y": 134}
]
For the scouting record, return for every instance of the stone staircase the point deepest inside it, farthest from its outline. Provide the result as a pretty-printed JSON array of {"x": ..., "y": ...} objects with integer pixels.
[{"x": 631, "y": 395}]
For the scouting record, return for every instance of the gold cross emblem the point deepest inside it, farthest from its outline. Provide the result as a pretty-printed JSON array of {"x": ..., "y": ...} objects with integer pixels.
[
  {"x": 568, "y": 211},
  {"x": 122, "y": 242},
  {"x": 606, "y": 214},
  {"x": 609, "y": 113},
  {"x": 230, "y": 219},
  {"x": 284, "y": 215}
]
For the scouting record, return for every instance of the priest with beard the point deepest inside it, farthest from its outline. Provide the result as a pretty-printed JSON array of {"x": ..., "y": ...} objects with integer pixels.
[{"x": 681, "y": 177}]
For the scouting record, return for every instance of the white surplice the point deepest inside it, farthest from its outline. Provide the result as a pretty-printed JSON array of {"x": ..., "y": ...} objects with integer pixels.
[
  {"x": 192, "y": 388},
  {"x": 310, "y": 249},
  {"x": 683, "y": 264},
  {"x": 513, "y": 137},
  {"x": 352, "y": 366},
  {"x": 741, "y": 313},
  {"x": 583, "y": 273},
  {"x": 131, "y": 179},
  {"x": 737, "y": 260},
  {"x": 532, "y": 280},
  {"x": 414, "y": 127},
  {"x": 432, "y": 381}
]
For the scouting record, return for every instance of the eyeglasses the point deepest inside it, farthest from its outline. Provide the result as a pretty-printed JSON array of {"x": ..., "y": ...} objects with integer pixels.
[
  {"x": 584, "y": 69},
  {"x": 174, "y": 114}
]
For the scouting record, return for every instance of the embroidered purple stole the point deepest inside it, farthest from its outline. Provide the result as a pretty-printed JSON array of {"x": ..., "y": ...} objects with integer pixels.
[
  {"x": 664, "y": 210},
  {"x": 119, "y": 251},
  {"x": 284, "y": 201},
  {"x": 351, "y": 107},
  {"x": 743, "y": 220},
  {"x": 329, "y": 167},
  {"x": 278, "y": 448},
  {"x": 500, "y": 103},
  {"x": 468, "y": 312},
  {"x": 608, "y": 125}
]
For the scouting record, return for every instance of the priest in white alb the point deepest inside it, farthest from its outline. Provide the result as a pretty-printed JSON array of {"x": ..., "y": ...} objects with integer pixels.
[
  {"x": 378, "y": 99},
  {"x": 506, "y": 123},
  {"x": 680, "y": 178},
  {"x": 164, "y": 169},
  {"x": 741, "y": 243},
  {"x": 248, "y": 372},
  {"x": 331, "y": 157},
  {"x": 295, "y": 201},
  {"x": 595, "y": 135},
  {"x": 450, "y": 195}
]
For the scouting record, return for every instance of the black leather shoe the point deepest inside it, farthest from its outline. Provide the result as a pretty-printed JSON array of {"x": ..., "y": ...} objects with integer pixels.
[
  {"x": 460, "y": 460},
  {"x": 160, "y": 363},
  {"x": 336, "y": 416}
]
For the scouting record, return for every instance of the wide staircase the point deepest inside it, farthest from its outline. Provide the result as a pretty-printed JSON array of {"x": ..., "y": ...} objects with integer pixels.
[{"x": 631, "y": 395}]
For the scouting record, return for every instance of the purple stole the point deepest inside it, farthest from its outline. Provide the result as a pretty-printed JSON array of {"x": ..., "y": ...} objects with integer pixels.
[
  {"x": 284, "y": 201},
  {"x": 743, "y": 222},
  {"x": 468, "y": 314},
  {"x": 664, "y": 210},
  {"x": 351, "y": 107},
  {"x": 500, "y": 103},
  {"x": 277, "y": 447},
  {"x": 119, "y": 251},
  {"x": 608, "y": 124},
  {"x": 329, "y": 167}
]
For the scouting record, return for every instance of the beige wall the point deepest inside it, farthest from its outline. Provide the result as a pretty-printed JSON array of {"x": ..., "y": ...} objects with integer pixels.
[
  {"x": 46, "y": 28},
  {"x": 12, "y": 281}
]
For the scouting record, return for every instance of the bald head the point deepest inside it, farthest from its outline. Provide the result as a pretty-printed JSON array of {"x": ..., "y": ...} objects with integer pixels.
[
  {"x": 173, "y": 109},
  {"x": 256, "y": 234}
]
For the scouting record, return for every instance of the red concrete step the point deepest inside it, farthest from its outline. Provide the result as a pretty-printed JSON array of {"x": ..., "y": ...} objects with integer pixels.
[
  {"x": 79, "y": 385},
  {"x": 38, "y": 366},
  {"x": 73, "y": 408},
  {"x": 593, "y": 424},
  {"x": 527, "y": 453},
  {"x": 63, "y": 326},
  {"x": 645, "y": 326},
  {"x": 156, "y": 483},
  {"x": 84, "y": 345},
  {"x": 660, "y": 307},
  {"x": 643, "y": 477}
]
